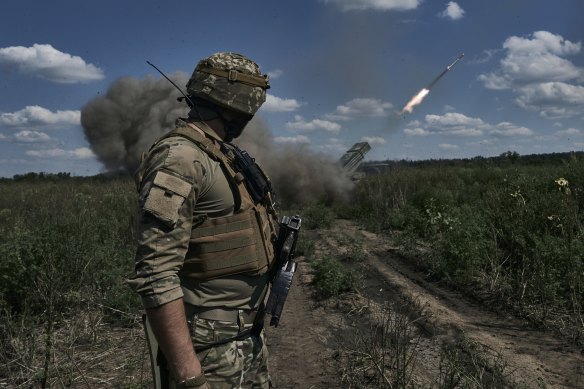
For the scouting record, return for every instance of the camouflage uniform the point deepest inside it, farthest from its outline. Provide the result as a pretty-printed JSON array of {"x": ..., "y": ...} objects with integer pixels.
[
  {"x": 163, "y": 243},
  {"x": 237, "y": 364},
  {"x": 180, "y": 185}
]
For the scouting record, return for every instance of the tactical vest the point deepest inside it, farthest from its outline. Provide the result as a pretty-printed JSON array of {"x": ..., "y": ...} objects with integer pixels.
[{"x": 235, "y": 244}]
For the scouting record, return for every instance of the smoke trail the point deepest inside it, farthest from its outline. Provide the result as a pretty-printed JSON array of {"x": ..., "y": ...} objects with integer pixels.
[{"x": 134, "y": 112}]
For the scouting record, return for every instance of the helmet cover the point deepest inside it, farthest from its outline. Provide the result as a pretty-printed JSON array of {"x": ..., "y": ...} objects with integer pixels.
[{"x": 229, "y": 80}]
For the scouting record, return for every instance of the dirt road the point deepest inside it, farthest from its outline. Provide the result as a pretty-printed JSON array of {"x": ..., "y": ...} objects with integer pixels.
[{"x": 304, "y": 348}]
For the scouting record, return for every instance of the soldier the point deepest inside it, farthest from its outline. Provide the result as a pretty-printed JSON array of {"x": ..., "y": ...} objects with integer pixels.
[{"x": 206, "y": 233}]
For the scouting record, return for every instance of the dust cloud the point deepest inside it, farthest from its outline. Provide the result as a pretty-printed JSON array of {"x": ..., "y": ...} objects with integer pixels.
[{"x": 134, "y": 112}]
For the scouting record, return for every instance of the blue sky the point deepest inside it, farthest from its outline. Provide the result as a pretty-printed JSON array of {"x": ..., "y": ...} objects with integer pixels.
[{"x": 341, "y": 72}]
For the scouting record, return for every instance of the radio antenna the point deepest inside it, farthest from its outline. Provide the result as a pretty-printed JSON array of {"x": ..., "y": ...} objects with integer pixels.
[{"x": 189, "y": 101}]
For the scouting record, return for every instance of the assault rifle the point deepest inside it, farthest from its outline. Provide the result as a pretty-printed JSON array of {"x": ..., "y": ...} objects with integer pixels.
[{"x": 284, "y": 268}]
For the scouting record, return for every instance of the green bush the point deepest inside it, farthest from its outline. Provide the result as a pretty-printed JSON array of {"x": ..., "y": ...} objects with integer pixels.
[
  {"x": 332, "y": 279},
  {"x": 317, "y": 216}
]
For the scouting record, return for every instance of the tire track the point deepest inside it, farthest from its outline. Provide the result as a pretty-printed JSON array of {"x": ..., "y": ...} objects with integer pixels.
[{"x": 533, "y": 357}]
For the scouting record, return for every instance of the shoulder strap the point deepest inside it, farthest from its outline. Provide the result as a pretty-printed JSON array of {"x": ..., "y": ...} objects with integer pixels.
[{"x": 212, "y": 150}]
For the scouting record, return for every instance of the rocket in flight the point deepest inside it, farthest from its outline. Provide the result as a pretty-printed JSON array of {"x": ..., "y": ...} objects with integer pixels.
[
  {"x": 444, "y": 72},
  {"x": 419, "y": 97}
]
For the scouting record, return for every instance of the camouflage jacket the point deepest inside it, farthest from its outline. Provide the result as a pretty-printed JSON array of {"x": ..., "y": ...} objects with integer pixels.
[{"x": 165, "y": 223}]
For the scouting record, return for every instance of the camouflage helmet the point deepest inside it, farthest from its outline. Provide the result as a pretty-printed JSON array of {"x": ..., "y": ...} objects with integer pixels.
[{"x": 229, "y": 80}]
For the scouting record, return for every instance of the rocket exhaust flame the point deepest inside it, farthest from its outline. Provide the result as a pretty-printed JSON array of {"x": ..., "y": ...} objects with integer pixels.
[{"x": 417, "y": 99}]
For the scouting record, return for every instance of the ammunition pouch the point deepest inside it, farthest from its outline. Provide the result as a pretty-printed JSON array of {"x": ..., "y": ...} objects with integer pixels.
[{"x": 227, "y": 245}]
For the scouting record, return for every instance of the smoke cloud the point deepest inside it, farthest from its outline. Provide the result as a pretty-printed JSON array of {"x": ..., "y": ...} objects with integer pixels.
[
  {"x": 134, "y": 112},
  {"x": 129, "y": 118},
  {"x": 299, "y": 175}
]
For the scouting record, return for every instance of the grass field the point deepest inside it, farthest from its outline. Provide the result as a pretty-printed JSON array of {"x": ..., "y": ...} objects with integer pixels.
[
  {"x": 512, "y": 234},
  {"x": 66, "y": 250},
  {"x": 509, "y": 233}
]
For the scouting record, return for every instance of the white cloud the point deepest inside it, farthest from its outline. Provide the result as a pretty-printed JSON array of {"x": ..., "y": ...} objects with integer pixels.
[
  {"x": 14, "y": 161},
  {"x": 542, "y": 42},
  {"x": 298, "y": 139},
  {"x": 35, "y": 115},
  {"x": 28, "y": 136},
  {"x": 452, "y": 11},
  {"x": 278, "y": 104},
  {"x": 373, "y": 140},
  {"x": 379, "y": 5},
  {"x": 542, "y": 80},
  {"x": 416, "y": 132},
  {"x": 537, "y": 58},
  {"x": 453, "y": 119},
  {"x": 453, "y": 123},
  {"x": 314, "y": 125},
  {"x": 570, "y": 131},
  {"x": 275, "y": 74},
  {"x": 487, "y": 55},
  {"x": 79, "y": 153},
  {"x": 509, "y": 129},
  {"x": 496, "y": 81},
  {"x": 334, "y": 146},
  {"x": 552, "y": 99},
  {"x": 44, "y": 61},
  {"x": 465, "y": 131},
  {"x": 82, "y": 153},
  {"x": 485, "y": 142},
  {"x": 2, "y": 136},
  {"x": 458, "y": 124},
  {"x": 447, "y": 146},
  {"x": 360, "y": 107}
]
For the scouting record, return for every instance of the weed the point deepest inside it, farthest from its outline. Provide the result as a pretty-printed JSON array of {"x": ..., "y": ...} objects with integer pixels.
[
  {"x": 333, "y": 279},
  {"x": 466, "y": 365},
  {"x": 382, "y": 355},
  {"x": 304, "y": 246},
  {"x": 317, "y": 216},
  {"x": 351, "y": 248}
]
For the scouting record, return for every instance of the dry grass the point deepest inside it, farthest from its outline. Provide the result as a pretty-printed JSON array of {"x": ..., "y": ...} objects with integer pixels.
[
  {"x": 85, "y": 352},
  {"x": 381, "y": 353}
]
